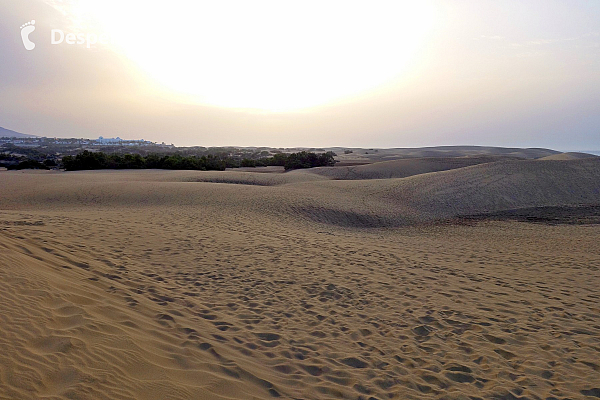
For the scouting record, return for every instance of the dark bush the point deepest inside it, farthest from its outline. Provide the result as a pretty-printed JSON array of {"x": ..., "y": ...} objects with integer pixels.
[
  {"x": 88, "y": 160},
  {"x": 246, "y": 162},
  {"x": 309, "y": 160},
  {"x": 28, "y": 164}
]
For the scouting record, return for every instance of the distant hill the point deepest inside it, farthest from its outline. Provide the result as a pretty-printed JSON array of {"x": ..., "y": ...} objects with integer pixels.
[{"x": 8, "y": 133}]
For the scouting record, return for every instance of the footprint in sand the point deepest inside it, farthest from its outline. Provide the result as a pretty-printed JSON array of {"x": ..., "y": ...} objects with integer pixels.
[{"x": 26, "y": 30}]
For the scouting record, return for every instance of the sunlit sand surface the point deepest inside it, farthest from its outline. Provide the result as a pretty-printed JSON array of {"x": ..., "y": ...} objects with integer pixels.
[{"x": 242, "y": 285}]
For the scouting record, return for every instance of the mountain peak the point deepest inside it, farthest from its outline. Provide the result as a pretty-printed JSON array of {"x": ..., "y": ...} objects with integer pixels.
[{"x": 8, "y": 133}]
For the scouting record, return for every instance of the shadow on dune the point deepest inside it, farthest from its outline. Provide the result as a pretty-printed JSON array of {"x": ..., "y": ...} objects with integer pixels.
[
  {"x": 371, "y": 203},
  {"x": 475, "y": 190}
]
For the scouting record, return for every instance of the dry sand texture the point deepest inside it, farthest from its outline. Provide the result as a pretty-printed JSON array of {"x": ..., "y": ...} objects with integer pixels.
[
  {"x": 377, "y": 155},
  {"x": 568, "y": 156},
  {"x": 157, "y": 285}
]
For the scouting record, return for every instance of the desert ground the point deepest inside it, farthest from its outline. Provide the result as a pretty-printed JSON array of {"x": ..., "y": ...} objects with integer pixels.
[{"x": 426, "y": 278}]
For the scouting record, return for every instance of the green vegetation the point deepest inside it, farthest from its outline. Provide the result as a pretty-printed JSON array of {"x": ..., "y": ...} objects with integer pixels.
[
  {"x": 87, "y": 160},
  {"x": 29, "y": 164},
  {"x": 13, "y": 157},
  {"x": 309, "y": 160},
  {"x": 75, "y": 154}
]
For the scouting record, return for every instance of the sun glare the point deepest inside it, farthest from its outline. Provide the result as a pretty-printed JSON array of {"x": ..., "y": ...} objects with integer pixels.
[{"x": 268, "y": 55}]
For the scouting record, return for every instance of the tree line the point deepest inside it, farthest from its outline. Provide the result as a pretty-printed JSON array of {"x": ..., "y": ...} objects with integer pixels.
[{"x": 88, "y": 160}]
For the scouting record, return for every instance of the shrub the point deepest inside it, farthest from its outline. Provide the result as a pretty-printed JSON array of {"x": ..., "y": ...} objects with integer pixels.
[
  {"x": 309, "y": 160},
  {"x": 27, "y": 164},
  {"x": 87, "y": 160}
]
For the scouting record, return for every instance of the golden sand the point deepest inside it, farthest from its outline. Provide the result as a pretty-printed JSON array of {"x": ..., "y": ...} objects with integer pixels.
[{"x": 237, "y": 285}]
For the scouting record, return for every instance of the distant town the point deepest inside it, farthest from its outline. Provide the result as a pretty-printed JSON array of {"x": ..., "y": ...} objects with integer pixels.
[
  {"x": 101, "y": 141},
  {"x": 42, "y": 152},
  {"x": 19, "y": 151}
]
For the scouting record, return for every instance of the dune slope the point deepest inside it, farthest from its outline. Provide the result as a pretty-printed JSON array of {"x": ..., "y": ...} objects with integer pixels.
[
  {"x": 471, "y": 190},
  {"x": 568, "y": 156},
  {"x": 399, "y": 168},
  {"x": 156, "y": 285}
]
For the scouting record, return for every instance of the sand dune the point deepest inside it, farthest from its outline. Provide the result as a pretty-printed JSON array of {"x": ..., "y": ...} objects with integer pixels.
[
  {"x": 568, "y": 156},
  {"x": 377, "y": 155},
  {"x": 256, "y": 176},
  {"x": 167, "y": 285},
  {"x": 399, "y": 168},
  {"x": 304, "y": 195},
  {"x": 489, "y": 187},
  {"x": 471, "y": 190}
]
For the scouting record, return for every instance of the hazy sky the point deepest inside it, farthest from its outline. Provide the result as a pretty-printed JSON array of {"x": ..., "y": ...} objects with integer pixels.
[{"x": 306, "y": 73}]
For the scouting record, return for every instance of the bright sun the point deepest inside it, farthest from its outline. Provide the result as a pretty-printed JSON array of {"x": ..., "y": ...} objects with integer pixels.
[{"x": 270, "y": 55}]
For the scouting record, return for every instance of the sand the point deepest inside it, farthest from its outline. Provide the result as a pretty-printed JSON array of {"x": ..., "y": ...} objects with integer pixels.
[
  {"x": 242, "y": 285},
  {"x": 568, "y": 156},
  {"x": 399, "y": 168},
  {"x": 361, "y": 155}
]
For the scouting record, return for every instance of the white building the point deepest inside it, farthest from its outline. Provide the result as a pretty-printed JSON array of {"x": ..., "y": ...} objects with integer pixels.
[
  {"x": 120, "y": 142},
  {"x": 102, "y": 140}
]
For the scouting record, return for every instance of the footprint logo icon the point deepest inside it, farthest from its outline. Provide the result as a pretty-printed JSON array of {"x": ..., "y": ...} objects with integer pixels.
[{"x": 26, "y": 30}]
